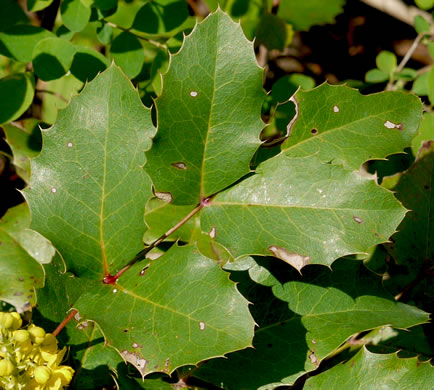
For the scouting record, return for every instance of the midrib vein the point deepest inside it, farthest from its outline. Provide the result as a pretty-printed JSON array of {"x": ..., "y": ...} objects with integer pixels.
[
  {"x": 202, "y": 170},
  {"x": 101, "y": 212}
]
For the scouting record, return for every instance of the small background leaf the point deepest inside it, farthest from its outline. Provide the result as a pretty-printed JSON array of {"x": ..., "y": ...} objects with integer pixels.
[
  {"x": 304, "y": 14},
  {"x": 15, "y": 104},
  {"x": 18, "y": 41},
  {"x": 128, "y": 53},
  {"x": 75, "y": 14},
  {"x": 21, "y": 253},
  {"x": 52, "y": 58},
  {"x": 25, "y": 143}
]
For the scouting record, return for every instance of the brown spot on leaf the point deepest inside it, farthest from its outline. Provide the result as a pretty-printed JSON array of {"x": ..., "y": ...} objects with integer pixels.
[
  {"x": 136, "y": 360},
  {"x": 358, "y": 220},
  {"x": 213, "y": 232},
  {"x": 295, "y": 259},
  {"x": 179, "y": 165},
  {"x": 164, "y": 196}
]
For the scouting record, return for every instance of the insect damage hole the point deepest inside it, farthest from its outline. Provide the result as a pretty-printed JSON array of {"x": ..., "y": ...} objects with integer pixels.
[
  {"x": 70, "y": 144},
  {"x": 314, "y": 131},
  {"x": 193, "y": 93},
  {"x": 336, "y": 109},
  {"x": 391, "y": 125},
  {"x": 54, "y": 190},
  {"x": 202, "y": 325}
]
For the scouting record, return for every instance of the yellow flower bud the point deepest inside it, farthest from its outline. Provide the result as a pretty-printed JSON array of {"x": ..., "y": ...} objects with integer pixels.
[
  {"x": 21, "y": 336},
  {"x": 6, "y": 367},
  {"x": 6, "y": 320},
  {"x": 42, "y": 374},
  {"x": 17, "y": 320},
  {"x": 37, "y": 334}
]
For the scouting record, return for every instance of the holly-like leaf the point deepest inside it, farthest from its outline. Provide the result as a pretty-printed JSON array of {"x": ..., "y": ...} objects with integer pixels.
[
  {"x": 303, "y": 211},
  {"x": 177, "y": 310},
  {"x": 323, "y": 309},
  {"x": 304, "y": 14},
  {"x": 208, "y": 113},
  {"x": 343, "y": 126},
  {"x": 22, "y": 251},
  {"x": 412, "y": 246},
  {"x": 88, "y": 189},
  {"x": 372, "y": 370}
]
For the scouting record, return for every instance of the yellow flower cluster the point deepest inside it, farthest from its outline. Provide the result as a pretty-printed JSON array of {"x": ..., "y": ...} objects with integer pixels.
[{"x": 29, "y": 358}]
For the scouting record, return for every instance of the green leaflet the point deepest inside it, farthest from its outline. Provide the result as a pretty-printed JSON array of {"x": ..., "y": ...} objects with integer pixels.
[
  {"x": 303, "y": 319},
  {"x": 371, "y": 370},
  {"x": 208, "y": 113},
  {"x": 177, "y": 310},
  {"x": 343, "y": 126},
  {"x": 303, "y": 211},
  {"x": 88, "y": 189},
  {"x": 22, "y": 251}
]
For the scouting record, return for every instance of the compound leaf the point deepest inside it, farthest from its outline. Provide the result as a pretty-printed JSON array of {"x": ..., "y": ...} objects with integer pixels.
[
  {"x": 303, "y": 211},
  {"x": 88, "y": 185},
  {"x": 180, "y": 309},
  {"x": 22, "y": 251},
  {"x": 368, "y": 370},
  {"x": 343, "y": 126},
  {"x": 208, "y": 113}
]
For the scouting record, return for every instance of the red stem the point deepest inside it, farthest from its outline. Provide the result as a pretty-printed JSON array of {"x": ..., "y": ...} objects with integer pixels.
[
  {"x": 64, "y": 322},
  {"x": 112, "y": 279}
]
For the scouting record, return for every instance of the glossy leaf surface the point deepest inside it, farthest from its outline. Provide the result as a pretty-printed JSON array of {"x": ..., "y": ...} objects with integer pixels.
[
  {"x": 343, "y": 126},
  {"x": 370, "y": 370},
  {"x": 162, "y": 325},
  {"x": 88, "y": 180},
  {"x": 303, "y": 211},
  {"x": 208, "y": 113},
  {"x": 304, "y": 319}
]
